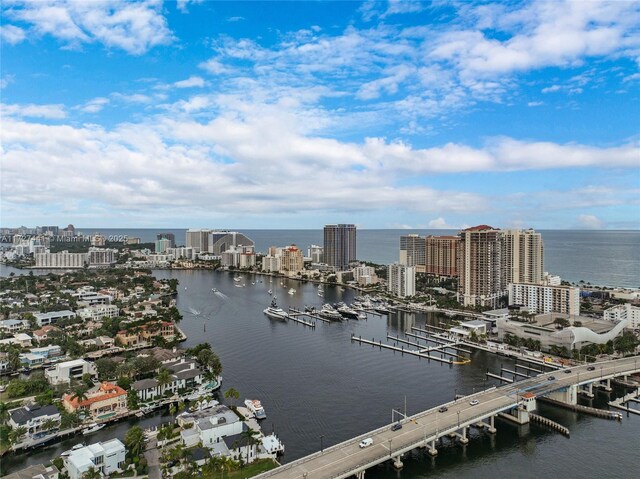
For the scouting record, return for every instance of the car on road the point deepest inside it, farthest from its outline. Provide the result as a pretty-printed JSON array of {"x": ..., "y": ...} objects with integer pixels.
[
  {"x": 567, "y": 371},
  {"x": 591, "y": 368},
  {"x": 365, "y": 443},
  {"x": 552, "y": 378},
  {"x": 474, "y": 402},
  {"x": 443, "y": 409},
  {"x": 396, "y": 426}
]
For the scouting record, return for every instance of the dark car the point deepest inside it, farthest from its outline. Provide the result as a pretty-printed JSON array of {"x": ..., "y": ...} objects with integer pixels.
[
  {"x": 591, "y": 368},
  {"x": 396, "y": 426},
  {"x": 567, "y": 371},
  {"x": 552, "y": 378},
  {"x": 443, "y": 409}
]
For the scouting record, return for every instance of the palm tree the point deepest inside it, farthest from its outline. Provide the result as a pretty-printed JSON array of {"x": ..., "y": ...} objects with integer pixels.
[
  {"x": 4, "y": 412},
  {"x": 49, "y": 424},
  {"x": 172, "y": 410},
  {"x": 249, "y": 437},
  {"x": 80, "y": 393},
  {"x": 232, "y": 394},
  {"x": 16, "y": 434},
  {"x": 164, "y": 378},
  {"x": 134, "y": 440},
  {"x": 92, "y": 473}
]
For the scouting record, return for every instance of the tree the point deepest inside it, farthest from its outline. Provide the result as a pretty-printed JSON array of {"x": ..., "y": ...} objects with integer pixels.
[
  {"x": 232, "y": 394},
  {"x": 92, "y": 473},
  {"x": 172, "y": 410},
  {"x": 210, "y": 360},
  {"x": 16, "y": 434},
  {"x": 134, "y": 440},
  {"x": 133, "y": 402},
  {"x": 80, "y": 393},
  {"x": 106, "y": 368},
  {"x": 49, "y": 424},
  {"x": 164, "y": 378}
]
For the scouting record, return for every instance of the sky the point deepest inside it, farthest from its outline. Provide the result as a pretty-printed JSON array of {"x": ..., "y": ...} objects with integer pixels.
[{"x": 399, "y": 114}]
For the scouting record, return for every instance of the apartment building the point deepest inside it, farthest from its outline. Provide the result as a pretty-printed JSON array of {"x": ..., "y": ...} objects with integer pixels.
[{"x": 541, "y": 299}]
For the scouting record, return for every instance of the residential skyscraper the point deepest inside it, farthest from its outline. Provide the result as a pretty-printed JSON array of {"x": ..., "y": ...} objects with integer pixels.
[
  {"x": 339, "y": 245},
  {"x": 401, "y": 280},
  {"x": 441, "y": 255},
  {"x": 198, "y": 239},
  {"x": 170, "y": 236},
  {"x": 412, "y": 251},
  {"x": 523, "y": 256}
]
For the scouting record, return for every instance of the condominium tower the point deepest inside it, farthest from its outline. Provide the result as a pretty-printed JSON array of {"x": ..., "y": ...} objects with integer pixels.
[
  {"x": 441, "y": 255},
  {"x": 339, "y": 245},
  {"x": 412, "y": 252}
]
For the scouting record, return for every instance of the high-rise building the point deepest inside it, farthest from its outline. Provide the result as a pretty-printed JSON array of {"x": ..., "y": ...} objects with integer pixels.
[
  {"x": 198, "y": 239},
  {"x": 169, "y": 236},
  {"x": 441, "y": 255},
  {"x": 221, "y": 241},
  {"x": 339, "y": 245},
  {"x": 163, "y": 245},
  {"x": 412, "y": 252},
  {"x": 316, "y": 253},
  {"x": 480, "y": 274},
  {"x": 523, "y": 256},
  {"x": 401, "y": 280},
  {"x": 292, "y": 260},
  {"x": 543, "y": 299}
]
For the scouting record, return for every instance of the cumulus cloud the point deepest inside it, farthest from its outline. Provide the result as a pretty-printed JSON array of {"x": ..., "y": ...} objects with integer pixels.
[
  {"x": 191, "y": 82},
  {"x": 134, "y": 27},
  {"x": 12, "y": 34},
  {"x": 590, "y": 222},
  {"x": 94, "y": 105},
  {"x": 50, "y": 112},
  {"x": 440, "y": 223}
]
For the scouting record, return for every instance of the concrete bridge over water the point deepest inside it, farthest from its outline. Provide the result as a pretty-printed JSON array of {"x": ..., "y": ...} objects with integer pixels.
[{"x": 425, "y": 428}]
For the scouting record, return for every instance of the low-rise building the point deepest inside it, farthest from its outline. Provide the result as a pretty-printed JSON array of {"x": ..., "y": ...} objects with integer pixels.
[
  {"x": 13, "y": 325},
  {"x": 43, "y": 333},
  {"x": 33, "y": 417},
  {"x": 53, "y": 317},
  {"x": 144, "y": 334},
  {"x": 37, "y": 471},
  {"x": 101, "y": 401},
  {"x": 466, "y": 328},
  {"x": 624, "y": 312},
  {"x": 19, "y": 339},
  {"x": 209, "y": 426},
  {"x": 185, "y": 374},
  {"x": 63, "y": 373},
  {"x": 98, "y": 312},
  {"x": 105, "y": 457}
]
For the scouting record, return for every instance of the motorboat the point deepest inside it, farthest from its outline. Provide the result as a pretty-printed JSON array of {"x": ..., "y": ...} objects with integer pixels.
[
  {"x": 329, "y": 313},
  {"x": 255, "y": 407},
  {"x": 347, "y": 312},
  {"x": 270, "y": 292},
  {"x": 274, "y": 312},
  {"x": 92, "y": 428},
  {"x": 292, "y": 291},
  {"x": 237, "y": 279},
  {"x": 214, "y": 290}
]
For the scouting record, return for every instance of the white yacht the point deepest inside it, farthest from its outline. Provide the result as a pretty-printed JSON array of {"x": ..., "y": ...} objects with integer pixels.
[
  {"x": 274, "y": 312},
  {"x": 237, "y": 279},
  {"x": 329, "y": 313},
  {"x": 255, "y": 407},
  {"x": 292, "y": 291},
  {"x": 92, "y": 428}
]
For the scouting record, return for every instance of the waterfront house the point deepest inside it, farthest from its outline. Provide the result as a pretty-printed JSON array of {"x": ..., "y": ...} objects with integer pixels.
[
  {"x": 13, "y": 325},
  {"x": 209, "y": 427},
  {"x": 33, "y": 416},
  {"x": 144, "y": 334},
  {"x": 105, "y": 457},
  {"x": 53, "y": 317},
  {"x": 19, "y": 339},
  {"x": 63, "y": 373},
  {"x": 101, "y": 342},
  {"x": 185, "y": 375},
  {"x": 101, "y": 401},
  {"x": 98, "y": 312}
]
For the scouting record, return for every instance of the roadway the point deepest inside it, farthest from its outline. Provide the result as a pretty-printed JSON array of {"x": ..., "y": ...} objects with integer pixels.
[{"x": 347, "y": 458}]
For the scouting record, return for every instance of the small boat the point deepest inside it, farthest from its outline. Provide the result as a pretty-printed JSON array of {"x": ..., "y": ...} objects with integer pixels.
[
  {"x": 253, "y": 282},
  {"x": 237, "y": 279},
  {"x": 238, "y": 285},
  {"x": 92, "y": 428},
  {"x": 292, "y": 291},
  {"x": 255, "y": 407},
  {"x": 214, "y": 290}
]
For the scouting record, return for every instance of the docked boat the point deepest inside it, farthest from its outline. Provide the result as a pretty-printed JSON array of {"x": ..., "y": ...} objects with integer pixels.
[
  {"x": 347, "y": 312},
  {"x": 329, "y": 313},
  {"x": 92, "y": 428},
  {"x": 292, "y": 291},
  {"x": 237, "y": 279},
  {"x": 274, "y": 312},
  {"x": 382, "y": 309},
  {"x": 255, "y": 407}
]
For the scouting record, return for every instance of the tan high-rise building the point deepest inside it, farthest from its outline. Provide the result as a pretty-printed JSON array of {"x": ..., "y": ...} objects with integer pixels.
[
  {"x": 480, "y": 275},
  {"x": 412, "y": 252},
  {"x": 523, "y": 256},
  {"x": 441, "y": 255},
  {"x": 292, "y": 260}
]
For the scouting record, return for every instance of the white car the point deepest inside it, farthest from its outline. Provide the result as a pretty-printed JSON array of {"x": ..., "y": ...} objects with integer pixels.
[
  {"x": 365, "y": 443},
  {"x": 474, "y": 402}
]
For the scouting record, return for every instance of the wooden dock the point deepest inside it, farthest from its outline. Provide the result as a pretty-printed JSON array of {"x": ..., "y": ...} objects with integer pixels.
[
  {"x": 296, "y": 313},
  {"x": 401, "y": 350}
]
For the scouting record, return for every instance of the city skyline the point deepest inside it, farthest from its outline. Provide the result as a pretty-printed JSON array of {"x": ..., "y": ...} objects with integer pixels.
[{"x": 404, "y": 115}]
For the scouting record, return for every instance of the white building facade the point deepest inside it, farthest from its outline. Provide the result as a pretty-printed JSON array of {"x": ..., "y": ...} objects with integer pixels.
[
  {"x": 542, "y": 299},
  {"x": 401, "y": 280}
]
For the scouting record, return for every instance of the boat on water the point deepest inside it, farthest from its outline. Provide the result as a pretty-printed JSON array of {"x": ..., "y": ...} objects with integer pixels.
[
  {"x": 92, "y": 428},
  {"x": 382, "y": 309},
  {"x": 292, "y": 291},
  {"x": 270, "y": 292},
  {"x": 347, "y": 312},
  {"x": 274, "y": 312},
  {"x": 214, "y": 290},
  {"x": 329, "y": 313},
  {"x": 237, "y": 279},
  {"x": 255, "y": 407}
]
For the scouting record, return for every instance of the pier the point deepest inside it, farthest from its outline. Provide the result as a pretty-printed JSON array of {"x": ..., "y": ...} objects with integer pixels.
[{"x": 424, "y": 430}]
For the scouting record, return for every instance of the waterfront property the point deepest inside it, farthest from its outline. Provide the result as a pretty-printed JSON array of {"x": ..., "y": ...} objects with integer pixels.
[
  {"x": 37, "y": 471},
  {"x": 53, "y": 317},
  {"x": 105, "y": 457},
  {"x": 63, "y": 373},
  {"x": 33, "y": 417},
  {"x": 185, "y": 374},
  {"x": 104, "y": 400},
  {"x": 144, "y": 334}
]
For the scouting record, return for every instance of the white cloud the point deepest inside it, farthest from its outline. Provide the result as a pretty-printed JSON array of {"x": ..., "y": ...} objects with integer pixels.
[
  {"x": 552, "y": 89},
  {"x": 535, "y": 103},
  {"x": 50, "y": 112},
  {"x": 235, "y": 19},
  {"x": 590, "y": 222},
  {"x": 191, "y": 82},
  {"x": 12, "y": 34},
  {"x": 94, "y": 105},
  {"x": 440, "y": 223},
  {"x": 214, "y": 66},
  {"x": 6, "y": 80},
  {"x": 134, "y": 27},
  {"x": 182, "y": 4},
  {"x": 133, "y": 98}
]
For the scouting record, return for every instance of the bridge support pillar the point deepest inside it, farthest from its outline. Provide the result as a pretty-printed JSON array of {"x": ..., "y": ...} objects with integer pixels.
[
  {"x": 397, "y": 462},
  {"x": 492, "y": 428},
  {"x": 589, "y": 391},
  {"x": 432, "y": 448},
  {"x": 568, "y": 395},
  {"x": 464, "y": 439},
  {"x": 607, "y": 386},
  {"x": 360, "y": 475}
]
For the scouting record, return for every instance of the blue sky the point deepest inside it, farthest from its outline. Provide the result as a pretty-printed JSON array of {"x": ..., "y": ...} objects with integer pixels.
[{"x": 292, "y": 115}]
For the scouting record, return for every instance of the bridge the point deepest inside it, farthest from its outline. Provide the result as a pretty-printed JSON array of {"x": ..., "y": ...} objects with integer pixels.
[{"x": 425, "y": 428}]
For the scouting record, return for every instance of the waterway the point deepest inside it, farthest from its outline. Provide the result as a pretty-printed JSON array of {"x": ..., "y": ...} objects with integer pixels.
[{"x": 318, "y": 388}]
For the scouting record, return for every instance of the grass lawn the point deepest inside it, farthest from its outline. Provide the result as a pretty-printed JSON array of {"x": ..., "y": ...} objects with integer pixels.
[{"x": 253, "y": 469}]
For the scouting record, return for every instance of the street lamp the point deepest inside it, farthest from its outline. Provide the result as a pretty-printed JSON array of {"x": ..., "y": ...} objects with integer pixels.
[
  {"x": 458, "y": 419},
  {"x": 389, "y": 447},
  {"x": 321, "y": 443}
]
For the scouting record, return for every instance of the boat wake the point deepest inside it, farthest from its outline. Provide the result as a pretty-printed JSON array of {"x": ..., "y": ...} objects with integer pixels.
[
  {"x": 221, "y": 295},
  {"x": 195, "y": 312}
]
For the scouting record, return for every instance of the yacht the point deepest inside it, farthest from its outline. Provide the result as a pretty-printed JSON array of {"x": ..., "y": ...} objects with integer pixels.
[
  {"x": 347, "y": 312},
  {"x": 92, "y": 428},
  {"x": 329, "y": 313},
  {"x": 270, "y": 292},
  {"x": 274, "y": 312},
  {"x": 237, "y": 279},
  {"x": 214, "y": 290},
  {"x": 256, "y": 408},
  {"x": 292, "y": 291},
  {"x": 382, "y": 309}
]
